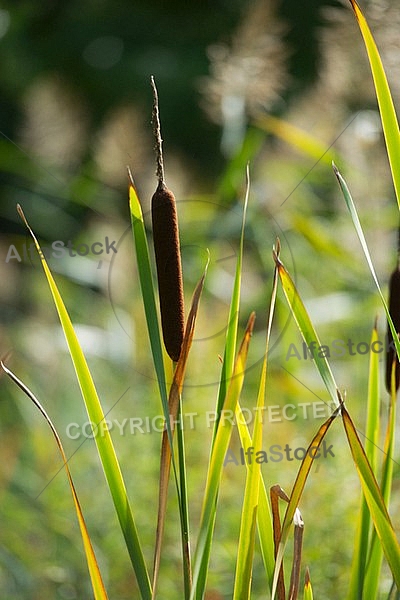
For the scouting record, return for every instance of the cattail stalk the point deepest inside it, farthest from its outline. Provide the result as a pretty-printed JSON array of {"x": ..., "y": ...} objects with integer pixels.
[
  {"x": 394, "y": 310},
  {"x": 167, "y": 250}
]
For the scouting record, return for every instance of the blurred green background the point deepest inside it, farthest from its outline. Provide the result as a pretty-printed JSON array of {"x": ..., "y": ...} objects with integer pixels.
[{"x": 75, "y": 110}]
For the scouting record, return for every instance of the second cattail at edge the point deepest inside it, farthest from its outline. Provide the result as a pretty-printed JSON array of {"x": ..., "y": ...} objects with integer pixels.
[{"x": 394, "y": 310}]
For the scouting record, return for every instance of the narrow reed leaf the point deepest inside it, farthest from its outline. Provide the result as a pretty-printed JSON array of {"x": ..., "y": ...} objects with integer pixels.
[
  {"x": 219, "y": 450},
  {"x": 372, "y": 429},
  {"x": 298, "y": 488},
  {"x": 173, "y": 403},
  {"x": 372, "y": 438},
  {"x": 308, "y": 594},
  {"x": 245, "y": 556},
  {"x": 146, "y": 284},
  {"x": 104, "y": 443},
  {"x": 374, "y": 499},
  {"x": 99, "y": 590},
  {"x": 167, "y": 251},
  {"x": 356, "y": 222},
  {"x": 392, "y": 361},
  {"x": 386, "y": 107},
  {"x": 228, "y": 360},
  {"x": 245, "y": 553},
  {"x": 233, "y": 317},
  {"x": 376, "y": 553},
  {"x": 306, "y": 328},
  {"x": 148, "y": 296}
]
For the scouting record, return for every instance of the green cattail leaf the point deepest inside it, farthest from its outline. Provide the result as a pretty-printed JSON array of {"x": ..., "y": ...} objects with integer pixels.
[
  {"x": 174, "y": 401},
  {"x": 386, "y": 107},
  {"x": 297, "y": 492},
  {"x": 306, "y": 328},
  {"x": 104, "y": 443},
  {"x": 372, "y": 438},
  {"x": 374, "y": 499},
  {"x": 227, "y": 368},
  {"x": 376, "y": 553},
  {"x": 254, "y": 487},
  {"x": 214, "y": 474}
]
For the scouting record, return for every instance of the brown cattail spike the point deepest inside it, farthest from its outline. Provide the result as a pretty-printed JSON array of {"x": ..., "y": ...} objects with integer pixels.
[
  {"x": 394, "y": 310},
  {"x": 167, "y": 252}
]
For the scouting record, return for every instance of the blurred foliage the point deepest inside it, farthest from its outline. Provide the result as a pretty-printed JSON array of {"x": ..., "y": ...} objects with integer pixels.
[{"x": 75, "y": 105}]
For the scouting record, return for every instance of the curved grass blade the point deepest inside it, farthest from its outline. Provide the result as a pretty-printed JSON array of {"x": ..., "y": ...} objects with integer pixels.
[
  {"x": 99, "y": 590},
  {"x": 245, "y": 554},
  {"x": 374, "y": 499},
  {"x": 165, "y": 461},
  {"x": 306, "y": 327},
  {"x": 104, "y": 443},
  {"x": 219, "y": 450},
  {"x": 386, "y": 107},
  {"x": 297, "y": 491},
  {"x": 356, "y": 221},
  {"x": 372, "y": 431}
]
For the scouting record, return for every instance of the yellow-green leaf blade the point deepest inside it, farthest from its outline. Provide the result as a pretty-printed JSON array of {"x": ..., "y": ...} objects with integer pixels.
[
  {"x": 376, "y": 554},
  {"x": 297, "y": 491},
  {"x": 372, "y": 430},
  {"x": 306, "y": 328},
  {"x": 250, "y": 510},
  {"x": 214, "y": 474},
  {"x": 104, "y": 443},
  {"x": 386, "y": 107},
  {"x": 373, "y": 497}
]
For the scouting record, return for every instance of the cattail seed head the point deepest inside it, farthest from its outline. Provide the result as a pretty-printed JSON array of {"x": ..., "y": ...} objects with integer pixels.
[
  {"x": 394, "y": 309},
  {"x": 169, "y": 268},
  {"x": 167, "y": 249}
]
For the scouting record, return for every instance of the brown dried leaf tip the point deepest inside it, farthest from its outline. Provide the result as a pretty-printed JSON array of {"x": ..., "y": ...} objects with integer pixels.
[{"x": 167, "y": 252}]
